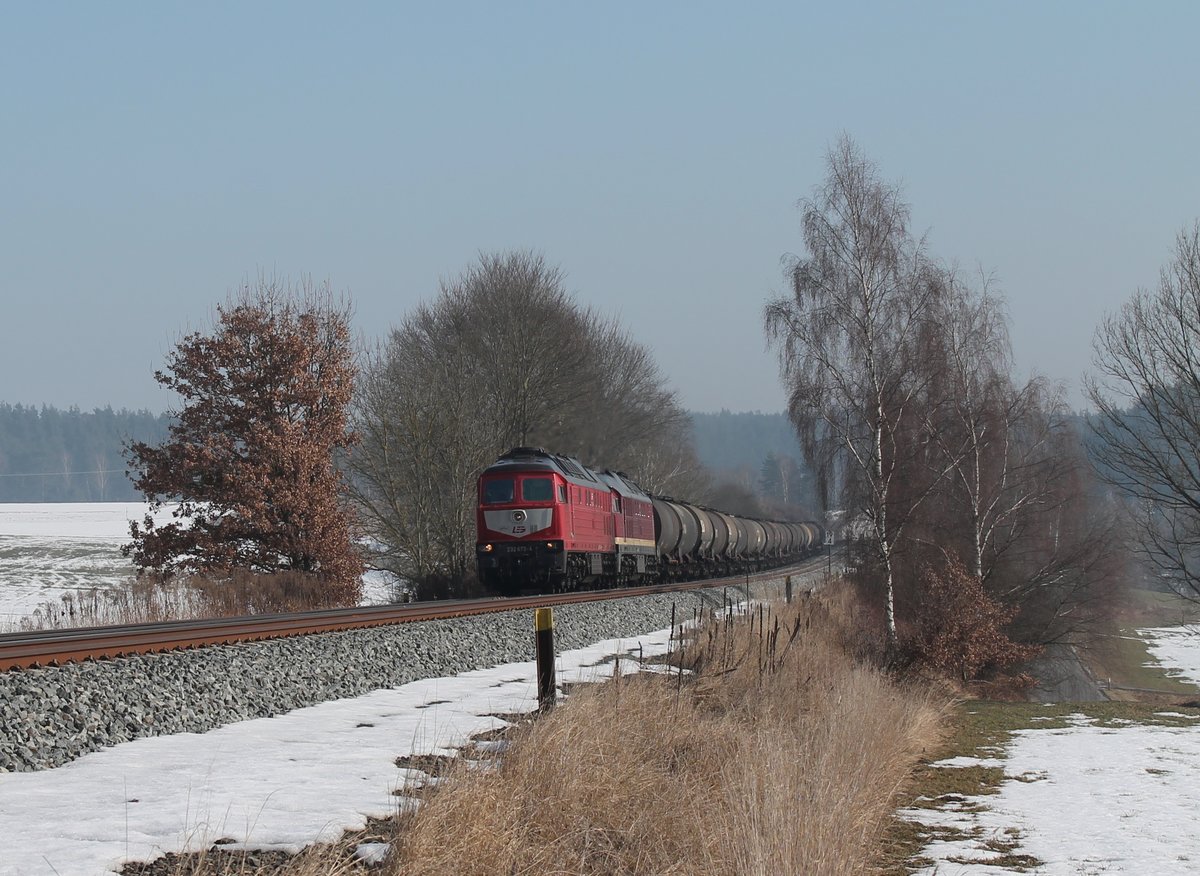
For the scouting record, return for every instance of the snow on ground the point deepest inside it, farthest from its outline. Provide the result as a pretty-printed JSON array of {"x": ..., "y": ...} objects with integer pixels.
[
  {"x": 51, "y": 549},
  {"x": 1177, "y": 648},
  {"x": 1084, "y": 799},
  {"x": 278, "y": 782},
  {"x": 48, "y": 550},
  {"x": 105, "y": 522},
  {"x": 1092, "y": 797}
]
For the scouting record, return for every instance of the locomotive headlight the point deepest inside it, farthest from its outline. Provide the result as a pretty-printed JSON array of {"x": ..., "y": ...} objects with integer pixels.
[
  {"x": 487, "y": 548},
  {"x": 550, "y": 545}
]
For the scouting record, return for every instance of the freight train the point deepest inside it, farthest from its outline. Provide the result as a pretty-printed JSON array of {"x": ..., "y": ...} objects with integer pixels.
[{"x": 548, "y": 523}]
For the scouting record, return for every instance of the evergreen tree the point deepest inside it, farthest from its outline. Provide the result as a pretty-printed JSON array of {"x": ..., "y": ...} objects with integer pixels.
[
  {"x": 54, "y": 455},
  {"x": 770, "y": 478}
]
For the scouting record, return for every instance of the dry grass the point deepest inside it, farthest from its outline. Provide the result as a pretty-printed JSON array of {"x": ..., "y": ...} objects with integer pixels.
[
  {"x": 314, "y": 861},
  {"x": 145, "y": 600},
  {"x": 777, "y": 750},
  {"x": 780, "y": 754},
  {"x": 133, "y": 601}
]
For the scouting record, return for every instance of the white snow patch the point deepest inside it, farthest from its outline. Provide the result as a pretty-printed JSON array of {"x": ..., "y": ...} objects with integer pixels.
[
  {"x": 88, "y": 521},
  {"x": 372, "y": 853},
  {"x": 51, "y": 549},
  {"x": 271, "y": 783},
  {"x": 1177, "y": 649},
  {"x": 1086, "y": 798},
  {"x": 48, "y": 550}
]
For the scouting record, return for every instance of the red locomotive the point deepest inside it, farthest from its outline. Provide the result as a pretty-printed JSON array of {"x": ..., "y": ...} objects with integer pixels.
[{"x": 547, "y": 522}]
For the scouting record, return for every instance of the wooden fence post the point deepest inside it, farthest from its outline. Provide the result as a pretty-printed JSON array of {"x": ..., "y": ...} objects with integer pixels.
[{"x": 543, "y": 625}]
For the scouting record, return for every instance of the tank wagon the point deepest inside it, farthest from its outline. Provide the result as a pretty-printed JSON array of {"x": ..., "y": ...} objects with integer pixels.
[{"x": 547, "y": 522}]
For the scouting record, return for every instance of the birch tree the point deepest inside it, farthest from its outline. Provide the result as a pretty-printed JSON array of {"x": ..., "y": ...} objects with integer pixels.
[
  {"x": 997, "y": 438},
  {"x": 847, "y": 338}
]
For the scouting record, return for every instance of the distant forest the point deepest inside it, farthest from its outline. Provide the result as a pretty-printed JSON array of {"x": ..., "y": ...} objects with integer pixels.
[
  {"x": 727, "y": 442},
  {"x": 754, "y": 455},
  {"x": 52, "y": 455}
]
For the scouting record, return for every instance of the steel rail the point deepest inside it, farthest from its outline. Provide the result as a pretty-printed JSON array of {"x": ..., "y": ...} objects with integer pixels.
[{"x": 27, "y": 650}]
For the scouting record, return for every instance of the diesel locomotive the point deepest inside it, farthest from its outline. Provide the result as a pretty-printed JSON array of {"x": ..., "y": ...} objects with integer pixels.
[{"x": 548, "y": 523}]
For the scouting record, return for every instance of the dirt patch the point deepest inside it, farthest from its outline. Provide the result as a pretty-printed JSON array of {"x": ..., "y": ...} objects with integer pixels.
[{"x": 435, "y": 765}]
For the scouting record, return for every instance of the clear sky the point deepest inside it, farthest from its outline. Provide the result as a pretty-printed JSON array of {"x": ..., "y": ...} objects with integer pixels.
[{"x": 155, "y": 155}]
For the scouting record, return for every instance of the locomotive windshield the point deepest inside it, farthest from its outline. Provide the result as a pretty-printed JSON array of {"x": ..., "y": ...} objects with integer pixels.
[
  {"x": 498, "y": 492},
  {"x": 537, "y": 490}
]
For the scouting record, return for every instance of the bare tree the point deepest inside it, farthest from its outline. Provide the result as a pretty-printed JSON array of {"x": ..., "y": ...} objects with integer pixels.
[
  {"x": 503, "y": 357},
  {"x": 1069, "y": 560},
  {"x": 421, "y": 442},
  {"x": 1147, "y": 423},
  {"x": 1018, "y": 508},
  {"x": 849, "y": 337},
  {"x": 998, "y": 438},
  {"x": 522, "y": 341},
  {"x": 631, "y": 421}
]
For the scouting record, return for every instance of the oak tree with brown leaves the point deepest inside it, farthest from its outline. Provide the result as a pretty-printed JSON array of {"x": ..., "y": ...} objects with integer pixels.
[
  {"x": 959, "y": 628},
  {"x": 249, "y": 460}
]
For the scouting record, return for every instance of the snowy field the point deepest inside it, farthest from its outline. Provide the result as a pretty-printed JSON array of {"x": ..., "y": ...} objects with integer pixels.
[
  {"x": 48, "y": 550},
  {"x": 1089, "y": 798},
  {"x": 276, "y": 783},
  {"x": 51, "y": 549},
  {"x": 1176, "y": 648}
]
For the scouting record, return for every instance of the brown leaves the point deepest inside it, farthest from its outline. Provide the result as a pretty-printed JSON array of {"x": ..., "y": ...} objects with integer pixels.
[
  {"x": 959, "y": 629},
  {"x": 250, "y": 458}
]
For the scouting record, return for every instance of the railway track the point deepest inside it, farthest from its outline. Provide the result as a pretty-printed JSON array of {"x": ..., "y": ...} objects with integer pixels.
[{"x": 56, "y": 647}]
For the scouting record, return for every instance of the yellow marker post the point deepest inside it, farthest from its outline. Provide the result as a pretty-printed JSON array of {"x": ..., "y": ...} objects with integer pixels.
[{"x": 543, "y": 625}]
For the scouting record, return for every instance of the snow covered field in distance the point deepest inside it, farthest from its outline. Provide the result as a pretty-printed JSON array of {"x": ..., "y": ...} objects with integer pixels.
[{"x": 50, "y": 549}]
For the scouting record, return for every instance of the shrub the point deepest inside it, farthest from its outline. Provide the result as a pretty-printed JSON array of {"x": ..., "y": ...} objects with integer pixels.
[{"x": 959, "y": 629}]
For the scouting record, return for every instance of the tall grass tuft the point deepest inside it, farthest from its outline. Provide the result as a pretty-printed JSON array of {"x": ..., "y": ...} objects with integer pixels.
[{"x": 767, "y": 747}]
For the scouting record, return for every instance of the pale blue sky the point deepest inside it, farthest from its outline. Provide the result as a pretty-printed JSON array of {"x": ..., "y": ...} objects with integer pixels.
[{"x": 154, "y": 155}]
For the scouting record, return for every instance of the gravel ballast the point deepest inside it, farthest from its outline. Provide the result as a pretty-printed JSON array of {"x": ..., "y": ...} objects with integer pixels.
[{"x": 53, "y": 715}]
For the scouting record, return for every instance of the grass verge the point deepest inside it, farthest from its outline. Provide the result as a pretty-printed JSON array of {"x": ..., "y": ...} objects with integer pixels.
[
  {"x": 982, "y": 729},
  {"x": 775, "y": 751},
  {"x": 1121, "y": 658},
  {"x": 763, "y": 746}
]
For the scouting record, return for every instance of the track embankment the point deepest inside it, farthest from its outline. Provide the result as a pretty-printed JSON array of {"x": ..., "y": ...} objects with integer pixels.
[{"x": 166, "y": 683}]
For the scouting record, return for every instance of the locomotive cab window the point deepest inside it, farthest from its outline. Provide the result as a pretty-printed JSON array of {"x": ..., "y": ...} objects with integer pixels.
[
  {"x": 537, "y": 490},
  {"x": 498, "y": 492},
  {"x": 562, "y": 493}
]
